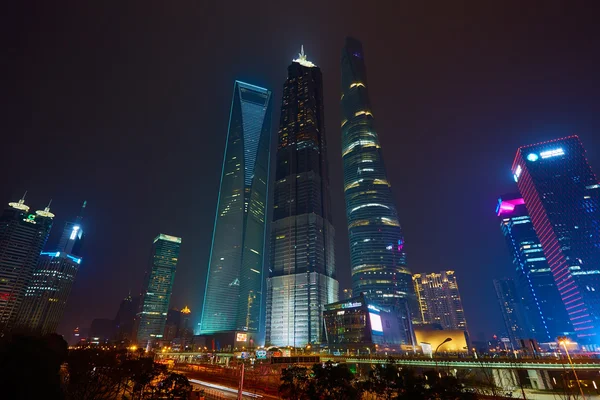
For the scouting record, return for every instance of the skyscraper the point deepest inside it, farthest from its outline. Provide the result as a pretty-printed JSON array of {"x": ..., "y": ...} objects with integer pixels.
[
  {"x": 302, "y": 268},
  {"x": 22, "y": 238},
  {"x": 377, "y": 252},
  {"x": 562, "y": 196},
  {"x": 47, "y": 294},
  {"x": 233, "y": 294},
  {"x": 439, "y": 300},
  {"x": 158, "y": 286},
  {"x": 545, "y": 316},
  {"x": 511, "y": 307}
]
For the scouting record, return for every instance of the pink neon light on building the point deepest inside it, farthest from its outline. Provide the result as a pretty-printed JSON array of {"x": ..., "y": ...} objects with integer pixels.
[{"x": 508, "y": 206}]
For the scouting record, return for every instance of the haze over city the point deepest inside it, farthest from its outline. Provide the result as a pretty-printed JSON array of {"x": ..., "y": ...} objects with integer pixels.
[{"x": 129, "y": 110}]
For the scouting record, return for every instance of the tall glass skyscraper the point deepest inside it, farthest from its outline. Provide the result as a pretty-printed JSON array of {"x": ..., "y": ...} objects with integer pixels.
[
  {"x": 157, "y": 289},
  {"x": 545, "y": 316},
  {"x": 46, "y": 296},
  {"x": 562, "y": 196},
  {"x": 22, "y": 238},
  {"x": 302, "y": 269},
  {"x": 377, "y": 250},
  {"x": 511, "y": 308},
  {"x": 233, "y": 294}
]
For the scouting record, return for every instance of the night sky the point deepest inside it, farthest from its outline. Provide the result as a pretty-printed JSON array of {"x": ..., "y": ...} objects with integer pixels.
[{"x": 126, "y": 104}]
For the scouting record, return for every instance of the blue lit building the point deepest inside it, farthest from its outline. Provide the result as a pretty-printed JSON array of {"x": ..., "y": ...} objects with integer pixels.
[
  {"x": 545, "y": 316},
  {"x": 47, "y": 295},
  {"x": 516, "y": 323},
  {"x": 562, "y": 196},
  {"x": 302, "y": 267},
  {"x": 22, "y": 238},
  {"x": 157, "y": 289},
  {"x": 378, "y": 257},
  {"x": 233, "y": 294}
]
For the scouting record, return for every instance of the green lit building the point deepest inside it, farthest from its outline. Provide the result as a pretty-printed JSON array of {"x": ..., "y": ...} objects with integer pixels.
[
  {"x": 156, "y": 293},
  {"x": 233, "y": 294},
  {"x": 22, "y": 238}
]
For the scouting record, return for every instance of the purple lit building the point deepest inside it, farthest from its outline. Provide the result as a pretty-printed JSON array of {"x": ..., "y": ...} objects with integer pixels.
[
  {"x": 562, "y": 195},
  {"x": 535, "y": 294}
]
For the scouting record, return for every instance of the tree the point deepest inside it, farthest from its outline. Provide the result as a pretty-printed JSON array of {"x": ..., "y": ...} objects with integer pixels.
[
  {"x": 295, "y": 383},
  {"x": 30, "y": 366},
  {"x": 333, "y": 382},
  {"x": 174, "y": 386}
]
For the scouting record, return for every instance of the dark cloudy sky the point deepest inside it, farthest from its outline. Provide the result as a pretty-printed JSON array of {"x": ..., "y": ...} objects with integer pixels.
[{"x": 125, "y": 104}]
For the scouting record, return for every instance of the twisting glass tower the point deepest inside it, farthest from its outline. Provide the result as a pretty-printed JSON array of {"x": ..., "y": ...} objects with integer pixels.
[
  {"x": 377, "y": 252},
  {"x": 235, "y": 276},
  {"x": 302, "y": 269}
]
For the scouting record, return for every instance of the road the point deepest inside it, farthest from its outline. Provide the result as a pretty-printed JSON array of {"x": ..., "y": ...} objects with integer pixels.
[{"x": 228, "y": 392}]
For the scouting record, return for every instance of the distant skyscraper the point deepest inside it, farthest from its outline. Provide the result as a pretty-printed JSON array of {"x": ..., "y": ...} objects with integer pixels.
[
  {"x": 157, "y": 289},
  {"x": 125, "y": 319},
  {"x": 377, "y": 250},
  {"x": 233, "y": 295},
  {"x": 439, "y": 299},
  {"x": 22, "y": 238},
  {"x": 302, "y": 268},
  {"x": 562, "y": 196},
  {"x": 545, "y": 316},
  {"x": 511, "y": 307},
  {"x": 47, "y": 294}
]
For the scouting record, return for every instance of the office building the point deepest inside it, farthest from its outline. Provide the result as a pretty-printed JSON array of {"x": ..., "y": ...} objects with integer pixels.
[
  {"x": 512, "y": 309},
  {"x": 544, "y": 314},
  {"x": 47, "y": 294},
  {"x": 158, "y": 285},
  {"x": 22, "y": 238},
  {"x": 439, "y": 300},
  {"x": 358, "y": 326},
  {"x": 233, "y": 295},
  {"x": 302, "y": 267},
  {"x": 562, "y": 196},
  {"x": 125, "y": 319},
  {"x": 377, "y": 253}
]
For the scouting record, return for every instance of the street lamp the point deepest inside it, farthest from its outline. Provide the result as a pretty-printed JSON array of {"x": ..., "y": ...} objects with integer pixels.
[
  {"x": 448, "y": 339},
  {"x": 564, "y": 342}
]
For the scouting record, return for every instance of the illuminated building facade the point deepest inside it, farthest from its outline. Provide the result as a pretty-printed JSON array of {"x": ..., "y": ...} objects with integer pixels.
[
  {"x": 512, "y": 309},
  {"x": 378, "y": 257},
  {"x": 302, "y": 267},
  {"x": 235, "y": 277},
  {"x": 562, "y": 196},
  {"x": 358, "y": 326},
  {"x": 439, "y": 300},
  {"x": 158, "y": 285},
  {"x": 47, "y": 295},
  {"x": 544, "y": 314},
  {"x": 22, "y": 238}
]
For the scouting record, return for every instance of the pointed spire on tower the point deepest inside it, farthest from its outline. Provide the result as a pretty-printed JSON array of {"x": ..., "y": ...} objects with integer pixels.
[
  {"x": 20, "y": 205},
  {"x": 302, "y": 60},
  {"x": 46, "y": 212},
  {"x": 80, "y": 216}
]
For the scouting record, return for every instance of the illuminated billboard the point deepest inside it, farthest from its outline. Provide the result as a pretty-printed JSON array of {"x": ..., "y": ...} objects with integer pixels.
[
  {"x": 376, "y": 326},
  {"x": 241, "y": 337}
]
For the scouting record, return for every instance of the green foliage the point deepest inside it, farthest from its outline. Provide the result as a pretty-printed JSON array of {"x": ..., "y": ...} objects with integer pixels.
[{"x": 322, "y": 381}]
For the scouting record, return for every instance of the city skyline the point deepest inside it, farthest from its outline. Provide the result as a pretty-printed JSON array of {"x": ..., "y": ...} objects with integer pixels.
[{"x": 451, "y": 109}]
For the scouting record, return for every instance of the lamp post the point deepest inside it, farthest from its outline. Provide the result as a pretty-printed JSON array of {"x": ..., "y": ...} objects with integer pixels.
[
  {"x": 564, "y": 342},
  {"x": 448, "y": 339}
]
